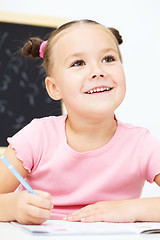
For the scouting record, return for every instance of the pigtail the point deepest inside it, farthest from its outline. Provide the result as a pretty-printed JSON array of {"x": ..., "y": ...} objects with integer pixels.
[
  {"x": 117, "y": 35},
  {"x": 31, "y": 48}
]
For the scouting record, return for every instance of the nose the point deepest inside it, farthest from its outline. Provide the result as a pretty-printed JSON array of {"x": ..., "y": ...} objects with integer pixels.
[
  {"x": 96, "y": 72},
  {"x": 97, "y": 76}
]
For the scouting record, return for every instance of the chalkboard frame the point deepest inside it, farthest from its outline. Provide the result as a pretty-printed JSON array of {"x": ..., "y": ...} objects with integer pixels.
[
  {"x": 33, "y": 20},
  {"x": 28, "y": 19}
]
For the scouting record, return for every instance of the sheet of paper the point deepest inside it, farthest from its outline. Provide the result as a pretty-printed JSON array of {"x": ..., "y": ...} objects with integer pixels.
[{"x": 58, "y": 227}]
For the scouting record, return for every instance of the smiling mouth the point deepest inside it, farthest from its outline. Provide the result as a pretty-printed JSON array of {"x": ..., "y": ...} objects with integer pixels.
[{"x": 99, "y": 90}]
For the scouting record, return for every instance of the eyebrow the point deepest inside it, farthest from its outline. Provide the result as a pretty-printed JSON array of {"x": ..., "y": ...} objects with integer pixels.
[
  {"x": 109, "y": 50},
  {"x": 79, "y": 54},
  {"x": 76, "y": 54}
]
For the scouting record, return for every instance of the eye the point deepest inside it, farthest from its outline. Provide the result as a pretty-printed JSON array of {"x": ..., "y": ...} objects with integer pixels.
[
  {"x": 108, "y": 59},
  {"x": 78, "y": 63}
]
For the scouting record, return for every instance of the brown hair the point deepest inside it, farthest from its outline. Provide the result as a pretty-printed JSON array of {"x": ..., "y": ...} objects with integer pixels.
[{"x": 31, "y": 48}]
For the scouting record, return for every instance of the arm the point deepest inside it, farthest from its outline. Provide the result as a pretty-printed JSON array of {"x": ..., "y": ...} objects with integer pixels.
[
  {"x": 143, "y": 209},
  {"x": 20, "y": 206}
]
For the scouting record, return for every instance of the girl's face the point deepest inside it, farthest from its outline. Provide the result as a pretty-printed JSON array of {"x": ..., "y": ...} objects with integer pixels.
[{"x": 87, "y": 71}]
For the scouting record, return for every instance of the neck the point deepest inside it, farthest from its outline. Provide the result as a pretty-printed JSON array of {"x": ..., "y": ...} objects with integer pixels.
[{"x": 89, "y": 134}]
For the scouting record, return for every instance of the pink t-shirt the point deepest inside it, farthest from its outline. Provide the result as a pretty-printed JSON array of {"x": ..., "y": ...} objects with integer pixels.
[{"x": 115, "y": 171}]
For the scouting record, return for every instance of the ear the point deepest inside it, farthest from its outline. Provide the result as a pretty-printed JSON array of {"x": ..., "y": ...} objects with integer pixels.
[{"x": 52, "y": 88}]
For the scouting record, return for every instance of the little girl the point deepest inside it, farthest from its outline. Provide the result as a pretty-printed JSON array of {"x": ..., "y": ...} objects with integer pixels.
[{"x": 86, "y": 165}]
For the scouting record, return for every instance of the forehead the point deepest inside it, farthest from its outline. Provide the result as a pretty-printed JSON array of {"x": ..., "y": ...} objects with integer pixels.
[{"x": 84, "y": 36}]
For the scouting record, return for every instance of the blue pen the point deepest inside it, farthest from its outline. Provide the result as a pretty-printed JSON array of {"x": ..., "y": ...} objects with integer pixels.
[{"x": 17, "y": 175}]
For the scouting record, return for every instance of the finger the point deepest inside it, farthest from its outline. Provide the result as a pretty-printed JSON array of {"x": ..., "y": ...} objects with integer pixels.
[
  {"x": 40, "y": 201},
  {"x": 33, "y": 221},
  {"x": 38, "y": 213},
  {"x": 82, "y": 213},
  {"x": 43, "y": 194},
  {"x": 94, "y": 218},
  {"x": 77, "y": 217}
]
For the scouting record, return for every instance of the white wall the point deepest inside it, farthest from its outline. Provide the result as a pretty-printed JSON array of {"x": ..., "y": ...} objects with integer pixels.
[{"x": 139, "y": 23}]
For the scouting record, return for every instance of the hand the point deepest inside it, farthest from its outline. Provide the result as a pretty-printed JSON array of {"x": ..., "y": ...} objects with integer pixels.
[
  {"x": 107, "y": 211},
  {"x": 27, "y": 208}
]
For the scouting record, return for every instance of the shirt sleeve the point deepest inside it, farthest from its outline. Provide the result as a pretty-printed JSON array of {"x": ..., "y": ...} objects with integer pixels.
[
  {"x": 27, "y": 145},
  {"x": 150, "y": 157}
]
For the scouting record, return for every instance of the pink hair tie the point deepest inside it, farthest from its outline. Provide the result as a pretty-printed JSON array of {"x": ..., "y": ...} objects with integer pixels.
[{"x": 43, "y": 44}]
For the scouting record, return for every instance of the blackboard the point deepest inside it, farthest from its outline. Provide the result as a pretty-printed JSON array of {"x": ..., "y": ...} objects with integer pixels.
[{"x": 22, "y": 88}]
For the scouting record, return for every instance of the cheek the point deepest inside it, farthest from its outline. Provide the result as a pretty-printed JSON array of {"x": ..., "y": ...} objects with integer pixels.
[
  {"x": 121, "y": 83},
  {"x": 72, "y": 80},
  {"x": 121, "y": 78},
  {"x": 67, "y": 87},
  {"x": 123, "y": 86}
]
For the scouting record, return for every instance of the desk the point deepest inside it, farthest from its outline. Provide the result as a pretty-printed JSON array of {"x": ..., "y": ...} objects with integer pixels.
[
  {"x": 2, "y": 149},
  {"x": 9, "y": 232}
]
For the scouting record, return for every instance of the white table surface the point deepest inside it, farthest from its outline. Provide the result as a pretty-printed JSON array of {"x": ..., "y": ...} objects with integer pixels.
[{"x": 9, "y": 232}]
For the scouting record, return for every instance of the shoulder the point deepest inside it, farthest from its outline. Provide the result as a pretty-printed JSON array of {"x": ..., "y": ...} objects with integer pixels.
[
  {"x": 131, "y": 129},
  {"x": 51, "y": 120},
  {"x": 47, "y": 123},
  {"x": 37, "y": 138},
  {"x": 139, "y": 135},
  {"x": 40, "y": 129}
]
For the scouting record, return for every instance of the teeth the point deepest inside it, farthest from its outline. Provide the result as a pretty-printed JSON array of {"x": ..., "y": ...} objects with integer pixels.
[{"x": 99, "y": 90}]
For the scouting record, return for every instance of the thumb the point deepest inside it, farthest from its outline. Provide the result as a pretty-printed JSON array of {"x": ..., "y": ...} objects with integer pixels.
[{"x": 43, "y": 194}]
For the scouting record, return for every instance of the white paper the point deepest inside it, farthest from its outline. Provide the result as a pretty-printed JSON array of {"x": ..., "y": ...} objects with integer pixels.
[{"x": 58, "y": 227}]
